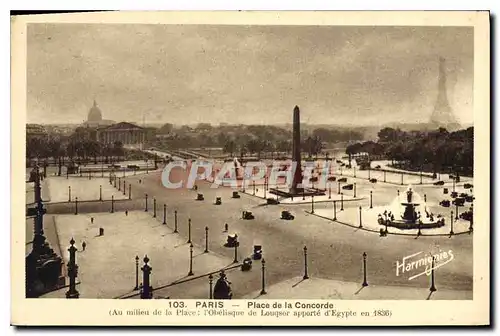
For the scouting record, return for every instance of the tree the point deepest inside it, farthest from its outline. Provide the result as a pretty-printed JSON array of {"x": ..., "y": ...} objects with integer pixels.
[
  {"x": 166, "y": 128},
  {"x": 230, "y": 147}
]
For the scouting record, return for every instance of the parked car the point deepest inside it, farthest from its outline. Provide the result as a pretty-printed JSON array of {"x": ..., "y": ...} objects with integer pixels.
[
  {"x": 445, "y": 203},
  {"x": 348, "y": 187},
  {"x": 286, "y": 215}
]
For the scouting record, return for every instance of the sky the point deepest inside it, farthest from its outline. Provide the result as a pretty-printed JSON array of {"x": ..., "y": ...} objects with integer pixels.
[{"x": 187, "y": 74}]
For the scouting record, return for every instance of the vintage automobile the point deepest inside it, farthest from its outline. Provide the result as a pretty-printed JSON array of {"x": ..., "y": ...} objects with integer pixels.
[
  {"x": 332, "y": 178},
  {"x": 469, "y": 198},
  {"x": 373, "y": 180},
  {"x": 232, "y": 240},
  {"x": 247, "y": 265},
  {"x": 313, "y": 179},
  {"x": 272, "y": 201},
  {"x": 454, "y": 194},
  {"x": 286, "y": 215},
  {"x": 378, "y": 167},
  {"x": 247, "y": 215},
  {"x": 200, "y": 197},
  {"x": 459, "y": 201},
  {"x": 445, "y": 203},
  {"x": 134, "y": 167},
  {"x": 445, "y": 191},
  {"x": 468, "y": 186},
  {"x": 439, "y": 183},
  {"x": 348, "y": 187},
  {"x": 342, "y": 179},
  {"x": 467, "y": 215},
  {"x": 236, "y": 195},
  {"x": 463, "y": 195},
  {"x": 218, "y": 201},
  {"x": 339, "y": 161},
  {"x": 257, "y": 252}
]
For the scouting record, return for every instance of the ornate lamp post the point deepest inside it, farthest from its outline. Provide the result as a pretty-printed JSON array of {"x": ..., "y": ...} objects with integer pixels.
[
  {"x": 334, "y": 210},
  {"x": 365, "y": 283},
  {"x": 354, "y": 171},
  {"x": 341, "y": 201},
  {"x": 119, "y": 184},
  {"x": 190, "y": 260},
  {"x": 306, "y": 275},
  {"x": 154, "y": 207},
  {"x": 189, "y": 231},
  {"x": 385, "y": 180},
  {"x": 72, "y": 293},
  {"x": 130, "y": 191},
  {"x": 147, "y": 290},
  {"x": 235, "y": 252},
  {"x": 210, "y": 283},
  {"x": 451, "y": 222},
  {"x": 76, "y": 205},
  {"x": 456, "y": 210},
  {"x": 69, "y": 193},
  {"x": 354, "y": 190},
  {"x": 164, "y": 214},
  {"x": 253, "y": 183},
  {"x": 263, "y": 290},
  {"x": 136, "y": 272},
  {"x": 100, "y": 193},
  {"x": 175, "y": 222},
  {"x": 206, "y": 239},
  {"x": 360, "y": 220},
  {"x": 312, "y": 204},
  {"x": 338, "y": 188},
  {"x": 124, "y": 187},
  {"x": 112, "y": 203},
  {"x": 146, "y": 198},
  {"x": 402, "y": 178},
  {"x": 371, "y": 199},
  {"x": 433, "y": 287},
  {"x": 329, "y": 191}
]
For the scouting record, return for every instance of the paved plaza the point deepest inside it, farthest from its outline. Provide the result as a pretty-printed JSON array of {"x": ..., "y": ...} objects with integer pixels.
[{"x": 334, "y": 250}]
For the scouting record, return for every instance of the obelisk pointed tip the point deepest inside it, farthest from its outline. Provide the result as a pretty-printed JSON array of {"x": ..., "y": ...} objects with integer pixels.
[{"x": 296, "y": 108}]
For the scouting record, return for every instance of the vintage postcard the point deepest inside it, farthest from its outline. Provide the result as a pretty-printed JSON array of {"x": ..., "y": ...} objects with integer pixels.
[{"x": 251, "y": 168}]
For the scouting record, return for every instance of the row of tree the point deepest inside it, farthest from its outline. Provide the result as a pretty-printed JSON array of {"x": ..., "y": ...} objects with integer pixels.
[
  {"x": 71, "y": 148},
  {"x": 311, "y": 145},
  {"x": 438, "y": 150},
  {"x": 255, "y": 138}
]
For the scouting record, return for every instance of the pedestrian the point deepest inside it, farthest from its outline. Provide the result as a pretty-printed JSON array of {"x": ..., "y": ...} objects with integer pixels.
[
  {"x": 126, "y": 212},
  {"x": 91, "y": 220},
  {"x": 84, "y": 245},
  {"x": 226, "y": 227}
]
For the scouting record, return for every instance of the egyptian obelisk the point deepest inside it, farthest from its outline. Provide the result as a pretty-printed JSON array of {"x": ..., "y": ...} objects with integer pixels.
[{"x": 297, "y": 177}]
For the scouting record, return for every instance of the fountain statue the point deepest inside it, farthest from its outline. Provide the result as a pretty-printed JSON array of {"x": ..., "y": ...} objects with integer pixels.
[
  {"x": 410, "y": 215},
  {"x": 406, "y": 213}
]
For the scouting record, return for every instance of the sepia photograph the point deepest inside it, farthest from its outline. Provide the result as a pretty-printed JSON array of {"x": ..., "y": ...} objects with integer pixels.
[{"x": 252, "y": 162}]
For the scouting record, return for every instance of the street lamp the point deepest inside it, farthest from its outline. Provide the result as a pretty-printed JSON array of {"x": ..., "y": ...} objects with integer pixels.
[
  {"x": 365, "y": 283},
  {"x": 190, "y": 260},
  {"x": 263, "y": 291},
  {"x": 306, "y": 276}
]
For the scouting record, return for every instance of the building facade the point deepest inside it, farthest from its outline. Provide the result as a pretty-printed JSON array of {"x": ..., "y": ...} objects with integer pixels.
[{"x": 124, "y": 132}]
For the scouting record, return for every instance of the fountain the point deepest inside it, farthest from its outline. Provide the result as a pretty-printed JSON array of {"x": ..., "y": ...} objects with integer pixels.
[{"x": 410, "y": 213}]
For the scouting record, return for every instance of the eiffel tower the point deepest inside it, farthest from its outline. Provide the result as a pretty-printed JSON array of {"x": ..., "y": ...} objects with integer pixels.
[{"x": 442, "y": 116}]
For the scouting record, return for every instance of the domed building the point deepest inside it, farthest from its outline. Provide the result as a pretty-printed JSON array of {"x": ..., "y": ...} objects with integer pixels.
[
  {"x": 94, "y": 118},
  {"x": 108, "y": 131}
]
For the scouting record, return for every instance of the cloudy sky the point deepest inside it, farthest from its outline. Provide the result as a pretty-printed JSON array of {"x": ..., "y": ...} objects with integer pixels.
[{"x": 245, "y": 74}]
